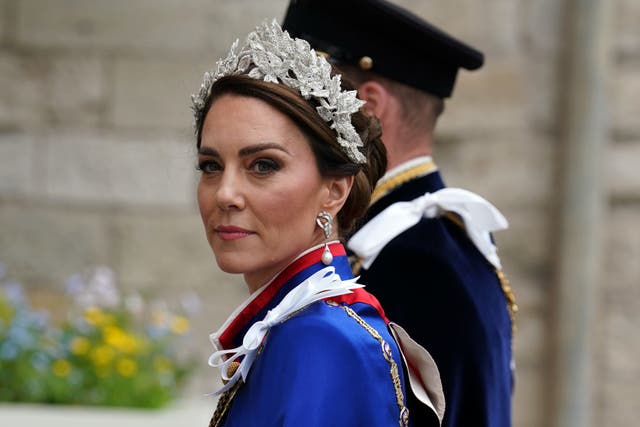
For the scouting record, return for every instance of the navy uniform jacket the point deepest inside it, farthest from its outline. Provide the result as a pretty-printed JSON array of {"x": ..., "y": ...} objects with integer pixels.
[
  {"x": 433, "y": 281},
  {"x": 330, "y": 364}
]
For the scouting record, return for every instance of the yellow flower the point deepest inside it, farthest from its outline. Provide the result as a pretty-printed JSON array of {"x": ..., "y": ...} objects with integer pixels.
[
  {"x": 161, "y": 364},
  {"x": 120, "y": 340},
  {"x": 96, "y": 317},
  {"x": 80, "y": 345},
  {"x": 102, "y": 355},
  {"x": 93, "y": 315},
  {"x": 61, "y": 368},
  {"x": 127, "y": 367},
  {"x": 108, "y": 319},
  {"x": 179, "y": 325}
]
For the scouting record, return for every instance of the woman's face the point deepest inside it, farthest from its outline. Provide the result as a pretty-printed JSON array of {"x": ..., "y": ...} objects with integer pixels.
[{"x": 259, "y": 190}]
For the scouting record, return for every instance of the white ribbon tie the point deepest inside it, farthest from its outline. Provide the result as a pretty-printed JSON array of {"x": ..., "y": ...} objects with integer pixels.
[
  {"x": 323, "y": 284},
  {"x": 480, "y": 218}
]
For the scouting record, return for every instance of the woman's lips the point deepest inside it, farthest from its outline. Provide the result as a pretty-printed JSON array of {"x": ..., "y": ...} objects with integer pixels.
[{"x": 230, "y": 232}]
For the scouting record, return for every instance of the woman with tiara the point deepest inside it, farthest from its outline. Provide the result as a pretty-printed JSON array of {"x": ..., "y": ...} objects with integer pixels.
[{"x": 287, "y": 163}]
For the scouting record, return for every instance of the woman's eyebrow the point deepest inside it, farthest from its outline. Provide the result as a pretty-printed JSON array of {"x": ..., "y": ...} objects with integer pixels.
[
  {"x": 208, "y": 151},
  {"x": 252, "y": 149}
]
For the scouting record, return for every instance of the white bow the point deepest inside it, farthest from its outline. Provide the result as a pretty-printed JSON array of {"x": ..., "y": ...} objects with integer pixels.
[
  {"x": 480, "y": 218},
  {"x": 323, "y": 284}
]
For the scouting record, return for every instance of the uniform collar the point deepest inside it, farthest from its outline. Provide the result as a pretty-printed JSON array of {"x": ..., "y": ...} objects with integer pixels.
[{"x": 402, "y": 173}]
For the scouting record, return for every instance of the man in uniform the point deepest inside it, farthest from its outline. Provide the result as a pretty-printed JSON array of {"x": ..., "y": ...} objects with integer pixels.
[{"x": 426, "y": 251}]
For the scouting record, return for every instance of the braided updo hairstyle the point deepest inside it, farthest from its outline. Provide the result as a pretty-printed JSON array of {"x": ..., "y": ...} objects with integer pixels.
[{"x": 330, "y": 158}]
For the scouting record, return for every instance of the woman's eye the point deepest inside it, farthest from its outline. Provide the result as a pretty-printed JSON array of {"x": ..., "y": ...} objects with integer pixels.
[
  {"x": 265, "y": 166},
  {"x": 208, "y": 166}
]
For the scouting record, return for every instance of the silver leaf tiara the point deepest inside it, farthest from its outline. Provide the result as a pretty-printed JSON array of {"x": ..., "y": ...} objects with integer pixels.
[{"x": 273, "y": 56}]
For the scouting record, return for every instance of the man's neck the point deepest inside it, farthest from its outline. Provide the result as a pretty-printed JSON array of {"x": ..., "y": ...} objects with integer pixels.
[{"x": 397, "y": 156}]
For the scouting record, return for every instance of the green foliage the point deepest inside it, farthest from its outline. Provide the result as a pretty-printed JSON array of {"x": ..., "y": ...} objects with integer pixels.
[{"x": 109, "y": 350}]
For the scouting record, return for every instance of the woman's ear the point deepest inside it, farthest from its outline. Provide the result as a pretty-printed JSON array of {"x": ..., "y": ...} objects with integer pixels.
[
  {"x": 376, "y": 97},
  {"x": 338, "y": 189}
]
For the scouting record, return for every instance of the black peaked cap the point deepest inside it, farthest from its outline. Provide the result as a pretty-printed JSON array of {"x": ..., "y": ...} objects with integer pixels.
[{"x": 399, "y": 45}]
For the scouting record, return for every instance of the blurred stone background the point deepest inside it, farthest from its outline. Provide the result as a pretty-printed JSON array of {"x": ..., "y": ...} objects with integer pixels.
[{"x": 97, "y": 161}]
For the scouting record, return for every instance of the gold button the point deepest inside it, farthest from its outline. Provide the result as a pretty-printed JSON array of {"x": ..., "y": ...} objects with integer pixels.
[{"x": 366, "y": 63}]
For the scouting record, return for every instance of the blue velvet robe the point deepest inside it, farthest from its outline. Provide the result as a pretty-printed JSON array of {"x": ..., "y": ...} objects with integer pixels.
[
  {"x": 434, "y": 282},
  {"x": 320, "y": 367}
]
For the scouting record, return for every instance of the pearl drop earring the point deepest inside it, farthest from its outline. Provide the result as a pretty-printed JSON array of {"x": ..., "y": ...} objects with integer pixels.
[{"x": 324, "y": 221}]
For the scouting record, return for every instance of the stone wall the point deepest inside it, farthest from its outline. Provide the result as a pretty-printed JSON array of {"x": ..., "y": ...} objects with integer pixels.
[{"x": 97, "y": 159}]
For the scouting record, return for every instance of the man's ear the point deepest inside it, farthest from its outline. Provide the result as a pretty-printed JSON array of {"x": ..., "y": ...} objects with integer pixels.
[
  {"x": 376, "y": 96},
  {"x": 338, "y": 189}
]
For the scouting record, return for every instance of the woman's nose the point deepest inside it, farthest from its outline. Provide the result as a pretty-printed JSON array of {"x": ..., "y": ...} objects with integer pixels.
[{"x": 229, "y": 194}]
